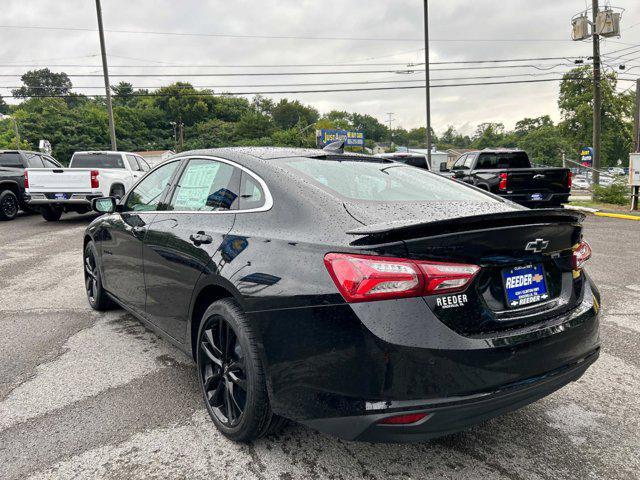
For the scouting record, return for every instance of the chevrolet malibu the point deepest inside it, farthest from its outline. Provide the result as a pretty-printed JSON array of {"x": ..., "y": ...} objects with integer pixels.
[{"x": 361, "y": 297}]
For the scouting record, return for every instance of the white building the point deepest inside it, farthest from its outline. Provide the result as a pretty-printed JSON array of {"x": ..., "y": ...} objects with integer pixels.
[{"x": 155, "y": 157}]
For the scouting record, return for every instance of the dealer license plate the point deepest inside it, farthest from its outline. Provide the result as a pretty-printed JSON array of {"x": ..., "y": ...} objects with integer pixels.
[{"x": 524, "y": 285}]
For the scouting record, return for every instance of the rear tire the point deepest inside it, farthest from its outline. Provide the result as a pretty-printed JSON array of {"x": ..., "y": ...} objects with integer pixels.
[
  {"x": 96, "y": 295},
  {"x": 231, "y": 374},
  {"x": 51, "y": 214},
  {"x": 9, "y": 205}
]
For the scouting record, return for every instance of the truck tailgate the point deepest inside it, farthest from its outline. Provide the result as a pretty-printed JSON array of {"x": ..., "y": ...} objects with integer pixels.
[
  {"x": 523, "y": 180},
  {"x": 52, "y": 180}
]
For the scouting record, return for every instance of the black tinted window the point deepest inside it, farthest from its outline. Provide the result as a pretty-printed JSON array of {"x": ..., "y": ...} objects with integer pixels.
[
  {"x": 205, "y": 186},
  {"x": 50, "y": 162},
  {"x": 97, "y": 160},
  {"x": 148, "y": 193},
  {"x": 503, "y": 160},
  {"x": 10, "y": 159},
  {"x": 34, "y": 161}
]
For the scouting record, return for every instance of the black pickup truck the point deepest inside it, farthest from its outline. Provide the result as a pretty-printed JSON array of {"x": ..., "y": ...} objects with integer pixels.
[
  {"x": 509, "y": 173},
  {"x": 12, "y": 166}
]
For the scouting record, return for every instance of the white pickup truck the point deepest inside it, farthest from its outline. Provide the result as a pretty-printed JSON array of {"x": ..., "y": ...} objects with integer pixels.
[{"x": 90, "y": 175}]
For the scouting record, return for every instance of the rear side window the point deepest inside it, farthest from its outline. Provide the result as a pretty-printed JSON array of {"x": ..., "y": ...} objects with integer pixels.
[
  {"x": 381, "y": 182},
  {"x": 10, "y": 159},
  {"x": 133, "y": 163},
  {"x": 251, "y": 193},
  {"x": 206, "y": 186},
  {"x": 50, "y": 163},
  {"x": 34, "y": 161},
  {"x": 495, "y": 161},
  {"x": 96, "y": 160}
]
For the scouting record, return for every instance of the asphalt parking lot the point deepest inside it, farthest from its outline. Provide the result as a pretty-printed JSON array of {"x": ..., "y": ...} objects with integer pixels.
[{"x": 89, "y": 395}]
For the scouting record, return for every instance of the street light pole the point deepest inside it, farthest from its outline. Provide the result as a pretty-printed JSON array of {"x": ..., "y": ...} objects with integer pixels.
[
  {"x": 597, "y": 96},
  {"x": 427, "y": 78},
  {"x": 105, "y": 70}
]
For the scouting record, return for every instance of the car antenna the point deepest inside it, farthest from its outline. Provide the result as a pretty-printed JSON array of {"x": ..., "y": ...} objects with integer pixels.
[{"x": 335, "y": 147}]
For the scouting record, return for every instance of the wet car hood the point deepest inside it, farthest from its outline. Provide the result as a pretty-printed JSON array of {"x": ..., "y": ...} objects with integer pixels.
[{"x": 371, "y": 213}]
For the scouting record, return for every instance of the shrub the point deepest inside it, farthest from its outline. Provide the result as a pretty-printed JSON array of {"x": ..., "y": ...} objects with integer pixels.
[{"x": 617, "y": 193}]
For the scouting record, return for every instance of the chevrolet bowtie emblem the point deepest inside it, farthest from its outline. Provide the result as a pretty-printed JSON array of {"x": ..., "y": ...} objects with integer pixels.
[{"x": 539, "y": 245}]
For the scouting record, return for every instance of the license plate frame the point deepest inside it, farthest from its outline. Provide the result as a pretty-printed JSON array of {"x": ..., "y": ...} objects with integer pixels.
[{"x": 528, "y": 287}]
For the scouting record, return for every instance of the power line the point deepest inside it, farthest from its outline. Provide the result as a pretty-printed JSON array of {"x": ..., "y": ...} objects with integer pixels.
[
  {"x": 280, "y": 37},
  {"x": 285, "y": 74},
  {"x": 281, "y": 92}
]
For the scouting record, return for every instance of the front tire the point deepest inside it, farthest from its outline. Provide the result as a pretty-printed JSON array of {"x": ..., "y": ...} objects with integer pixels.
[
  {"x": 231, "y": 374},
  {"x": 96, "y": 295},
  {"x": 9, "y": 205},
  {"x": 51, "y": 214}
]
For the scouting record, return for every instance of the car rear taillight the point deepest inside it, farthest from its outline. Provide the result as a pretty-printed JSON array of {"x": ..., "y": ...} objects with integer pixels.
[
  {"x": 581, "y": 254},
  {"x": 503, "y": 182},
  {"x": 570, "y": 180},
  {"x": 95, "y": 182},
  {"x": 406, "y": 419},
  {"x": 364, "y": 278},
  {"x": 26, "y": 179}
]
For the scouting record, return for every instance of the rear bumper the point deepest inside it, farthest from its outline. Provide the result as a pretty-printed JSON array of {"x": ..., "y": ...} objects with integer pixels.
[
  {"x": 340, "y": 368},
  {"x": 449, "y": 415},
  {"x": 73, "y": 199}
]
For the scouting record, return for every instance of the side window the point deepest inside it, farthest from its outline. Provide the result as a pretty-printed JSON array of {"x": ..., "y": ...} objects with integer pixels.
[
  {"x": 143, "y": 164},
  {"x": 468, "y": 163},
  {"x": 459, "y": 165},
  {"x": 251, "y": 193},
  {"x": 50, "y": 162},
  {"x": 133, "y": 163},
  {"x": 148, "y": 193},
  {"x": 10, "y": 159},
  {"x": 206, "y": 186},
  {"x": 34, "y": 161}
]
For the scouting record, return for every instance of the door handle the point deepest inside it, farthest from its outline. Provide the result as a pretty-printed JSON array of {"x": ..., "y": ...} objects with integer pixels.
[{"x": 200, "y": 238}]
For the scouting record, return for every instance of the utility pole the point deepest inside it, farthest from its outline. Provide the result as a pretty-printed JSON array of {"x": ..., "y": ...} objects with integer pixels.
[
  {"x": 597, "y": 96},
  {"x": 181, "y": 130},
  {"x": 15, "y": 129},
  {"x": 427, "y": 78},
  {"x": 107, "y": 87},
  {"x": 389, "y": 120},
  {"x": 636, "y": 120}
]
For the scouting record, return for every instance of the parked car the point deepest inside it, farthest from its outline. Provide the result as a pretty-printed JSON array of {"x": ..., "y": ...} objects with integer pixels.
[
  {"x": 508, "y": 173},
  {"x": 615, "y": 171},
  {"x": 90, "y": 175},
  {"x": 12, "y": 167},
  {"x": 413, "y": 159},
  {"x": 580, "y": 182},
  {"x": 355, "y": 295}
]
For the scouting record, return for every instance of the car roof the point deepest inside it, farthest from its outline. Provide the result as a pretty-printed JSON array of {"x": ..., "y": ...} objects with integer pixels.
[
  {"x": 21, "y": 151},
  {"x": 268, "y": 153},
  {"x": 104, "y": 151}
]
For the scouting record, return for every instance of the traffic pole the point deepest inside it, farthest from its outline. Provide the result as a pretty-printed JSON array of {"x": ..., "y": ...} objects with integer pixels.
[
  {"x": 427, "y": 78},
  {"x": 105, "y": 70}
]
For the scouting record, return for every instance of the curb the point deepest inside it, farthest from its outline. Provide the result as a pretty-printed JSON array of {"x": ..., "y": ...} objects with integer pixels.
[{"x": 618, "y": 215}]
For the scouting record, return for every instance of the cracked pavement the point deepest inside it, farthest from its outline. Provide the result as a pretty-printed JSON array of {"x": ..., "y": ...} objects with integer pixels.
[{"x": 90, "y": 395}]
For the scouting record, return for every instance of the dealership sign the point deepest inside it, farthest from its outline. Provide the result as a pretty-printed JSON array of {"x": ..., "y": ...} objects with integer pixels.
[
  {"x": 351, "y": 138},
  {"x": 586, "y": 156}
]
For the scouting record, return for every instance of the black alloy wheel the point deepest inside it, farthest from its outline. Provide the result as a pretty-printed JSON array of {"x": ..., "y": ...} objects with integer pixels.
[
  {"x": 9, "y": 205},
  {"x": 97, "y": 297},
  {"x": 223, "y": 372}
]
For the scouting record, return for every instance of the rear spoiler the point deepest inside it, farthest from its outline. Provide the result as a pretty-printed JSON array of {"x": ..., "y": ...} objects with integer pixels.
[{"x": 475, "y": 222}]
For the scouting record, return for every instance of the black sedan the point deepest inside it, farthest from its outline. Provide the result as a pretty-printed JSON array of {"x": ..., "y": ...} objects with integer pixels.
[{"x": 356, "y": 295}]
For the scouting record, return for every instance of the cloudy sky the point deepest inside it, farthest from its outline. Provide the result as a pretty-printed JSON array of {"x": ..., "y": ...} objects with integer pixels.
[{"x": 384, "y": 35}]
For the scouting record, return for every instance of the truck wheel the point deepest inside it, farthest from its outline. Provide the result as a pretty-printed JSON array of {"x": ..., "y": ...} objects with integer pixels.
[
  {"x": 51, "y": 214},
  {"x": 117, "y": 191},
  {"x": 9, "y": 205}
]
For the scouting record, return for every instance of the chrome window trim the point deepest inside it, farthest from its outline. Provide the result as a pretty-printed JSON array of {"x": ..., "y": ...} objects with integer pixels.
[{"x": 268, "y": 199}]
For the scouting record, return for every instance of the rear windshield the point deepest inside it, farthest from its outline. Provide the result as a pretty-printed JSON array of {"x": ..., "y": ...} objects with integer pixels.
[
  {"x": 96, "y": 160},
  {"x": 10, "y": 159},
  {"x": 503, "y": 160},
  {"x": 381, "y": 181}
]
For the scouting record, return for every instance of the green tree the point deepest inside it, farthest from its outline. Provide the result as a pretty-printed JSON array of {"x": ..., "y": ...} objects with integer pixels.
[
  {"x": 4, "y": 106},
  {"x": 43, "y": 82},
  {"x": 576, "y": 107},
  {"x": 490, "y": 135},
  {"x": 286, "y": 114},
  {"x": 183, "y": 103}
]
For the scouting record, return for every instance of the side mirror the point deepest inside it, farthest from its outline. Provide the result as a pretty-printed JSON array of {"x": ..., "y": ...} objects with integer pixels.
[
  {"x": 443, "y": 167},
  {"x": 103, "y": 205},
  {"x": 459, "y": 174}
]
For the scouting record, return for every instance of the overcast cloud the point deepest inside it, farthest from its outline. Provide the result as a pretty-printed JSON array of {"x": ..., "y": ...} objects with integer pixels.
[{"x": 463, "y": 107}]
